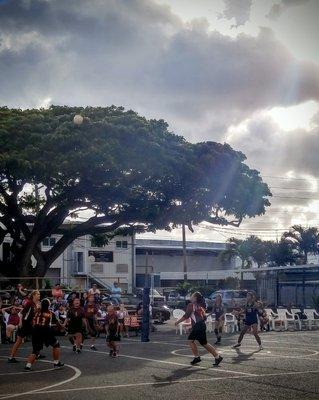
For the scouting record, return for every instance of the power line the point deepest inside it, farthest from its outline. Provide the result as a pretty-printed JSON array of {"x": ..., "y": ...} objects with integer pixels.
[{"x": 289, "y": 179}]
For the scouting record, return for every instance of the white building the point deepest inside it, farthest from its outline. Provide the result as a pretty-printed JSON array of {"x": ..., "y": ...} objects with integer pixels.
[{"x": 130, "y": 261}]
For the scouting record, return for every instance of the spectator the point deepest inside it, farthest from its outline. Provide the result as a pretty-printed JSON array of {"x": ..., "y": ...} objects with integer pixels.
[
  {"x": 20, "y": 293},
  {"x": 94, "y": 290},
  {"x": 57, "y": 292},
  {"x": 12, "y": 318},
  {"x": 116, "y": 292}
]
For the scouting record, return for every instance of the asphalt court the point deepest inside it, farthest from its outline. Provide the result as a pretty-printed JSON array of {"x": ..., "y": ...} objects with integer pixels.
[{"x": 288, "y": 367}]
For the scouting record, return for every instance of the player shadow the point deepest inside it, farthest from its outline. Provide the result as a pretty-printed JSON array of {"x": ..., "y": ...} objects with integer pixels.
[
  {"x": 243, "y": 357},
  {"x": 174, "y": 377}
]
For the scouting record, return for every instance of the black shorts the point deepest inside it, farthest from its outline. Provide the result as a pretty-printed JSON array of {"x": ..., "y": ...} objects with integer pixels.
[
  {"x": 25, "y": 330},
  {"x": 250, "y": 322},
  {"x": 92, "y": 327},
  {"x": 42, "y": 335},
  {"x": 75, "y": 328},
  {"x": 113, "y": 337},
  {"x": 198, "y": 333}
]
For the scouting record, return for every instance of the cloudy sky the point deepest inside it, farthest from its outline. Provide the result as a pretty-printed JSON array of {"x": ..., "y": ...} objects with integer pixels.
[{"x": 241, "y": 71}]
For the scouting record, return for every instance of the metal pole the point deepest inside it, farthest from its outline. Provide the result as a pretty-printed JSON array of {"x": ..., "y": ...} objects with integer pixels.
[
  {"x": 184, "y": 253},
  {"x": 145, "y": 334},
  {"x": 304, "y": 287},
  {"x": 133, "y": 260},
  {"x": 146, "y": 270}
]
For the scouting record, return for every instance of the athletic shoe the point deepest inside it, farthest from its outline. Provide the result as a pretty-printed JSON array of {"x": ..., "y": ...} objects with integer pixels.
[
  {"x": 40, "y": 356},
  {"x": 196, "y": 360},
  {"x": 218, "y": 361},
  {"x": 236, "y": 346},
  {"x": 113, "y": 354},
  {"x": 58, "y": 365},
  {"x": 26, "y": 368},
  {"x": 12, "y": 360},
  {"x": 78, "y": 351},
  {"x": 261, "y": 347},
  {"x": 93, "y": 347}
]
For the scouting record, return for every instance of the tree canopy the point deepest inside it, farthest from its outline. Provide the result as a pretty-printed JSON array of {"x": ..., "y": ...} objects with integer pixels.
[{"x": 114, "y": 172}]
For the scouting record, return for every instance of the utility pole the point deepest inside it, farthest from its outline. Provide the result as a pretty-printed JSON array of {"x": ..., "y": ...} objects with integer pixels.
[{"x": 184, "y": 253}]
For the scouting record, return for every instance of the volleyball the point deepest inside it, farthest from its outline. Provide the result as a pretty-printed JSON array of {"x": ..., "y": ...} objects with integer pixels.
[{"x": 78, "y": 119}]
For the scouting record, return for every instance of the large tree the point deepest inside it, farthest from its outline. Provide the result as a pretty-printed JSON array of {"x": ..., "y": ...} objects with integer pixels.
[{"x": 111, "y": 173}]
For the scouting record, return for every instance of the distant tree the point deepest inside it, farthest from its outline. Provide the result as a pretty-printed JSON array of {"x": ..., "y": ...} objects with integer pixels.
[
  {"x": 281, "y": 253},
  {"x": 237, "y": 248},
  {"x": 257, "y": 249},
  {"x": 124, "y": 171},
  {"x": 304, "y": 240}
]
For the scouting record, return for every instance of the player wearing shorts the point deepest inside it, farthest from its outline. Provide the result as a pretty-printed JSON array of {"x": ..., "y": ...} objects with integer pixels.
[
  {"x": 90, "y": 311},
  {"x": 122, "y": 314},
  {"x": 113, "y": 331},
  {"x": 250, "y": 321},
  {"x": 219, "y": 312},
  {"x": 43, "y": 334},
  {"x": 76, "y": 322},
  {"x": 196, "y": 312},
  {"x": 25, "y": 324}
]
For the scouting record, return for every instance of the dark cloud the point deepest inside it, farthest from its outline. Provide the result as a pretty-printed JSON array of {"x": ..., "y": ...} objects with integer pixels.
[
  {"x": 140, "y": 55},
  {"x": 279, "y": 8},
  {"x": 278, "y": 152},
  {"x": 237, "y": 9}
]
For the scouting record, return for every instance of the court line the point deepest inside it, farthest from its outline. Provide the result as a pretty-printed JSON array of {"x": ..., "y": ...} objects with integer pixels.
[
  {"x": 180, "y": 381},
  {"x": 27, "y": 372},
  {"x": 260, "y": 354},
  {"x": 72, "y": 378},
  {"x": 177, "y": 342},
  {"x": 218, "y": 369}
]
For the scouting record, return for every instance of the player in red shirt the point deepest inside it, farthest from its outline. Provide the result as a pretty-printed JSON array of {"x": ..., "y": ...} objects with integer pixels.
[
  {"x": 196, "y": 312},
  {"x": 43, "y": 334}
]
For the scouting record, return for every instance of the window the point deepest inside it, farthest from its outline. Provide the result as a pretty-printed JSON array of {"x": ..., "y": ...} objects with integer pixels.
[
  {"x": 121, "y": 244},
  {"x": 122, "y": 268},
  {"x": 97, "y": 268},
  {"x": 79, "y": 260},
  {"x": 49, "y": 241},
  {"x": 102, "y": 256}
]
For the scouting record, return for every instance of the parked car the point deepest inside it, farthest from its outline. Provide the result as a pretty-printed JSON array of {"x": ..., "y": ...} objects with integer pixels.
[
  {"x": 160, "y": 312},
  {"x": 229, "y": 298}
]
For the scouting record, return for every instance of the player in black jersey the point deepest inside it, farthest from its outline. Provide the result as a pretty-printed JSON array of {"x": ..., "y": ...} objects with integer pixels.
[
  {"x": 76, "y": 323},
  {"x": 250, "y": 321},
  {"x": 43, "y": 334},
  {"x": 219, "y": 312}
]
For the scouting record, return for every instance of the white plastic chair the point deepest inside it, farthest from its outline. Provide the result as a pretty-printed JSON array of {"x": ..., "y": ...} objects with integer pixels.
[
  {"x": 278, "y": 319},
  {"x": 303, "y": 321},
  {"x": 230, "y": 323},
  {"x": 209, "y": 322},
  {"x": 271, "y": 317},
  {"x": 183, "y": 326},
  {"x": 312, "y": 316},
  {"x": 288, "y": 318}
]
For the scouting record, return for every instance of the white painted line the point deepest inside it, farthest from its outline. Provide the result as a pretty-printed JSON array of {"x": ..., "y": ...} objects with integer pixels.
[
  {"x": 180, "y": 381},
  {"x": 259, "y": 353},
  {"x": 218, "y": 369},
  {"x": 27, "y": 372},
  {"x": 75, "y": 376}
]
